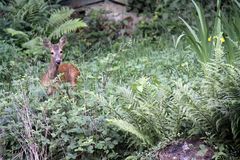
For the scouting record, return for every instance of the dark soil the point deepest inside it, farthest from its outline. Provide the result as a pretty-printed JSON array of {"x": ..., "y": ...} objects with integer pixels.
[{"x": 186, "y": 150}]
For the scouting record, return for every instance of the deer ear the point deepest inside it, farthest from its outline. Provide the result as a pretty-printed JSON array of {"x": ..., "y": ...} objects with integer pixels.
[
  {"x": 47, "y": 43},
  {"x": 63, "y": 41}
]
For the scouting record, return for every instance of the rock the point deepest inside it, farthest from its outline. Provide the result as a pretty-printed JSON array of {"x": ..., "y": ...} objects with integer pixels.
[{"x": 186, "y": 150}]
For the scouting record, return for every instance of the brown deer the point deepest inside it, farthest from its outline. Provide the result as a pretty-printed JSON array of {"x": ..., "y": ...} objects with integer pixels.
[{"x": 68, "y": 72}]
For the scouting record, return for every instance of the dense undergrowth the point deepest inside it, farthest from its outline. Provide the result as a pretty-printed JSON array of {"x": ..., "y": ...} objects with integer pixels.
[
  {"x": 77, "y": 126},
  {"x": 133, "y": 97}
]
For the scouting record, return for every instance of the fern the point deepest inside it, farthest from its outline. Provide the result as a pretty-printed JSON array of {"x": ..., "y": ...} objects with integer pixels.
[
  {"x": 33, "y": 44},
  {"x": 25, "y": 15},
  {"x": 148, "y": 107},
  {"x": 59, "y": 16},
  {"x": 191, "y": 104},
  {"x": 213, "y": 104},
  {"x": 224, "y": 89},
  {"x": 124, "y": 125},
  {"x": 32, "y": 12},
  {"x": 14, "y": 32},
  {"x": 67, "y": 27}
]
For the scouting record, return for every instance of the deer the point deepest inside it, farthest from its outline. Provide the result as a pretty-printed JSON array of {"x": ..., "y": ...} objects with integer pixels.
[{"x": 58, "y": 72}]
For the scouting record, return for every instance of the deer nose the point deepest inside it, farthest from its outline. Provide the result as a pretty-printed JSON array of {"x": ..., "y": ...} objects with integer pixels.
[{"x": 58, "y": 61}]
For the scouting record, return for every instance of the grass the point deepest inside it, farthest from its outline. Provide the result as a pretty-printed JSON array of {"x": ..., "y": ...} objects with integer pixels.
[{"x": 125, "y": 64}]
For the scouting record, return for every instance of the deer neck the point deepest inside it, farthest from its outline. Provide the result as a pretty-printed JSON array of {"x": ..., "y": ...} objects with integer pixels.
[{"x": 52, "y": 69}]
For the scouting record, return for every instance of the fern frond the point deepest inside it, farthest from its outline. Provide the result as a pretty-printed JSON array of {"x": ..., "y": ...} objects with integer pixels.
[
  {"x": 124, "y": 125},
  {"x": 67, "y": 27},
  {"x": 32, "y": 13},
  {"x": 33, "y": 44},
  {"x": 59, "y": 16},
  {"x": 14, "y": 32}
]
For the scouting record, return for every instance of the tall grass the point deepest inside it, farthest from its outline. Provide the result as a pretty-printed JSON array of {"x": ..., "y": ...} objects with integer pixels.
[
  {"x": 231, "y": 30},
  {"x": 199, "y": 39}
]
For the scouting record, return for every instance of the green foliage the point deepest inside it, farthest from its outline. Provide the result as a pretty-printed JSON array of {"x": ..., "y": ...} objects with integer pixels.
[
  {"x": 8, "y": 61},
  {"x": 231, "y": 32},
  {"x": 78, "y": 124},
  {"x": 59, "y": 16},
  {"x": 155, "y": 93},
  {"x": 150, "y": 113},
  {"x": 67, "y": 27},
  {"x": 140, "y": 6},
  {"x": 100, "y": 30},
  {"x": 199, "y": 40},
  {"x": 212, "y": 103},
  {"x": 128, "y": 128},
  {"x": 164, "y": 18},
  {"x": 29, "y": 20},
  {"x": 132, "y": 95},
  {"x": 58, "y": 127}
]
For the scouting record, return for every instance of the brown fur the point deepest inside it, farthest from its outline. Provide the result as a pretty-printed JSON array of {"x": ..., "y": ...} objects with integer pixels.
[{"x": 69, "y": 73}]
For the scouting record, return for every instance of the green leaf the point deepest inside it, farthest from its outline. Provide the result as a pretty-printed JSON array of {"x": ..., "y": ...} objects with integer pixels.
[
  {"x": 202, "y": 20},
  {"x": 203, "y": 150},
  {"x": 131, "y": 158},
  {"x": 124, "y": 125},
  {"x": 140, "y": 88},
  {"x": 14, "y": 32},
  {"x": 35, "y": 43},
  {"x": 67, "y": 27},
  {"x": 193, "y": 33},
  {"x": 59, "y": 16},
  {"x": 178, "y": 40}
]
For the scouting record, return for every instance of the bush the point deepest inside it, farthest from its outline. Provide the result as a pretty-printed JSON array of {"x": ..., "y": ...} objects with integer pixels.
[
  {"x": 56, "y": 127},
  {"x": 163, "y": 16},
  {"x": 100, "y": 30}
]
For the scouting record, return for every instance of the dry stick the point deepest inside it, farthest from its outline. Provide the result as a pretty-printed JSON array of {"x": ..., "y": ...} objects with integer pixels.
[
  {"x": 26, "y": 119},
  {"x": 44, "y": 148},
  {"x": 28, "y": 126}
]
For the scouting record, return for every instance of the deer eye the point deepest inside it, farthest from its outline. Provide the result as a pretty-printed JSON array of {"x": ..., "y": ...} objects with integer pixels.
[
  {"x": 60, "y": 51},
  {"x": 52, "y": 53}
]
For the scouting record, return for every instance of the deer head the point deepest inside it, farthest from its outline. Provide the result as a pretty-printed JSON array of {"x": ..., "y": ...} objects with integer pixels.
[{"x": 55, "y": 49}]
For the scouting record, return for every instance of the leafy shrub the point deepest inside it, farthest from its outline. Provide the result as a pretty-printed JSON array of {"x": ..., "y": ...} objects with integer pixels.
[
  {"x": 164, "y": 19},
  {"x": 140, "y": 6},
  {"x": 7, "y": 53},
  {"x": 9, "y": 63},
  {"x": 56, "y": 127},
  {"x": 100, "y": 30}
]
